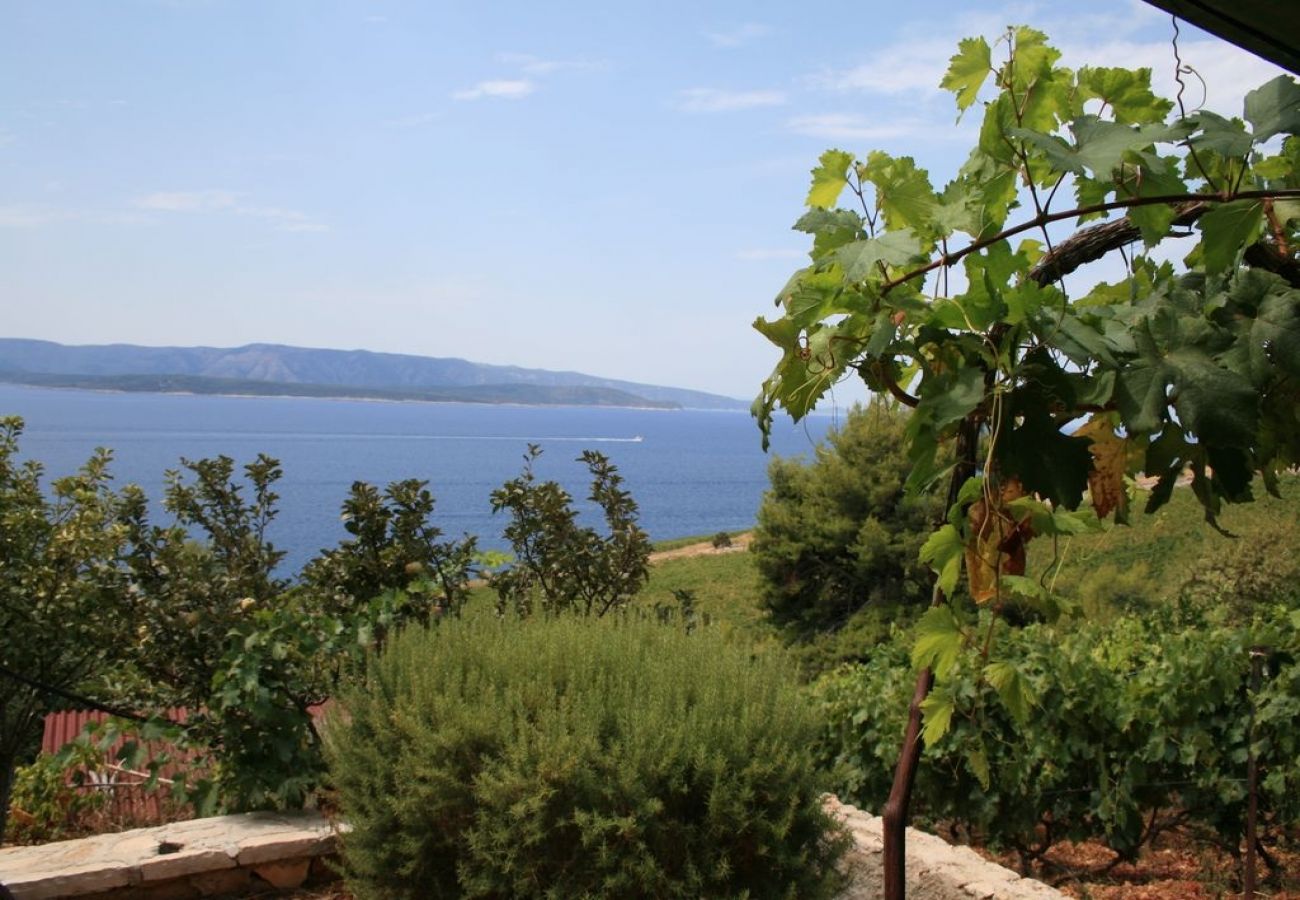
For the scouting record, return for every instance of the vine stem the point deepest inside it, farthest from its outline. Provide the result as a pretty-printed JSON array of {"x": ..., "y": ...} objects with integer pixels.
[
  {"x": 895, "y": 813},
  {"x": 1046, "y": 218}
]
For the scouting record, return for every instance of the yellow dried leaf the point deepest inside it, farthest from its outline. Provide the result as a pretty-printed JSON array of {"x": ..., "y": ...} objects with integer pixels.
[
  {"x": 1109, "y": 461},
  {"x": 996, "y": 545}
]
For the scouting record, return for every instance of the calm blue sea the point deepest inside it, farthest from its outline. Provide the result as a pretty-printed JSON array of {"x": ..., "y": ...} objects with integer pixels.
[{"x": 692, "y": 472}]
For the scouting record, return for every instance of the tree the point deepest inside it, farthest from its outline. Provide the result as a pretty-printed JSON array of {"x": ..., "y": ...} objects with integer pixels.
[
  {"x": 1168, "y": 370},
  {"x": 61, "y": 589},
  {"x": 840, "y": 533},
  {"x": 561, "y": 566},
  {"x": 392, "y": 546}
]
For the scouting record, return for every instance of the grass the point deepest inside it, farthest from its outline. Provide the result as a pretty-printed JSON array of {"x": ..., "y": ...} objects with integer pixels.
[{"x": 1155, "y": 556}]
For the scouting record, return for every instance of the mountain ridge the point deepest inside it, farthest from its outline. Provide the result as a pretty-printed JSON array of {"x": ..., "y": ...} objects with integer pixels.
[{"x": 305, "y": 371}]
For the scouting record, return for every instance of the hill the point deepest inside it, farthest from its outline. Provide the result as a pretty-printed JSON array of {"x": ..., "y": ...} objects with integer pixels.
[{"x": 302, "y": 371}]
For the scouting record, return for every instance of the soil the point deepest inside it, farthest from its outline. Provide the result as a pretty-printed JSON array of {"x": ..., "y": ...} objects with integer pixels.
[{"x": 739, "y": 543}]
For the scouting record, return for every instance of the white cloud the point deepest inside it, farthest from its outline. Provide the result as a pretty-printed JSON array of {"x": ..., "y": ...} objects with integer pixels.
[
  {"x": 738, "y": 36},
  {"x": 914, "y": 66},
  {"x": 536, "y": 65},
  {"x": 503, "y": 89},
  {"x": 223, "y": 201},
  {"x": 707, "y": 100},
  {"x": 26, "y": 215},
  {"x": 187, "y": 201},
  {"x": 854, "y": 127},
  {"x": 766, "y": 253},
  {"x": 1229, "y": 73},
  {"x": 37, "y": 215}
]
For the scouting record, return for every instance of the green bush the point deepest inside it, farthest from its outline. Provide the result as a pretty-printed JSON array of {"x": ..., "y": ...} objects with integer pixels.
[
  {"x": 1129, "y": 726},
  {"x": 838, "y": 535},
  {"x": 579, "y": 757},
  {"x": 559, "y": 565}
]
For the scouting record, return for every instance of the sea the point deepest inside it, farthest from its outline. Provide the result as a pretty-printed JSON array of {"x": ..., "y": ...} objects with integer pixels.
[{"x": 691, "y": 472}]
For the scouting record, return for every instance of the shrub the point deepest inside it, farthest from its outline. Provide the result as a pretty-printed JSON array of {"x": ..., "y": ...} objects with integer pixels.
[
  {"x": 1134, "y": 724},
  {"x": 559, "y": 565},
  {"x": 573, "y": 757},
  {"x": 721, "y": 540},
  {"x": 838, "y": 534}
]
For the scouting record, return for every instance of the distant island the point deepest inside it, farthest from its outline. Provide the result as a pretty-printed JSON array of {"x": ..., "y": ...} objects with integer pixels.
[{"x": 279, "y": 370}]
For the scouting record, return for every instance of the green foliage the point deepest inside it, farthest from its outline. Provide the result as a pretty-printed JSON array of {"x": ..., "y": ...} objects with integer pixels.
[
  {"x": 393, "y": 546},
  {"x": 48, "y": 803},
  {"x": 1197, "y": 368},
  {"x": 840, "y": 534},
  {"x": 221, "y": 635},
  {"x": 196, "y": 580},
  {"x": 61, "y": 589},
  {"x": 561, "y": 566},
  {"x": 573, "y": 757},
  {"x": 1098, "y": 731},
  {"x": 721, "y": 541}
]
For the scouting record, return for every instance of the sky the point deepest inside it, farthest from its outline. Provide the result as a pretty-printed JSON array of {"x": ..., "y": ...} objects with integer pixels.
[{"x": 599, "y": 187}]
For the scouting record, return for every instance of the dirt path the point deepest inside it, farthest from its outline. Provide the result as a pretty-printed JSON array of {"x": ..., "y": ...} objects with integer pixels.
[{"x": 739, "y": 543}]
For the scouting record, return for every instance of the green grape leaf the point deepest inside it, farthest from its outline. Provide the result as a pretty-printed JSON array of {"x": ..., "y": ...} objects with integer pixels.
[
  {"x": 1140, "y": 385},
  {"x": 1012, "y": 687},
  {"x": 1226, "y": 137},
  {"x": 1126, "y": 91},
  {"x": 1154, "y": 220},
  {"x": 830, "y": 228},
  {"x": 978, "y": 761},
  {"x": 938, "y": 712},
  {"x": 1048, "y": 463},
  {"x": 1274, "y": 108},
  {"x": 1227, "y": 230},
  {"x": 1275, "y": 334},
  {"x": 829, "y": 179},
  {"x": 860, "y": 259},
  {"x": 1218, "y": 406},
  {"x": 938, "y": 640},
  {"x": 967, "y": 71},
  {"x": 950, "y": 396},
  {"x": 903, "y": 192},
  {"x": 942, "y": 551}
]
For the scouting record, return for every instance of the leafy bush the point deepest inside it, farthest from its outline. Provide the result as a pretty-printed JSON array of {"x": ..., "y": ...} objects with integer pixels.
[
  {"x": 47, "y": 802},
  {"x": 839, "y": 534},
  {"x": 61, "y": 590},
  {"x": 1123, "y": 728},
  {"x": 721, "y": 540},
  {"x": 392, "y": 546},
  {"x": 572, "y": 757},
  {"x": 560, "y": 565}
]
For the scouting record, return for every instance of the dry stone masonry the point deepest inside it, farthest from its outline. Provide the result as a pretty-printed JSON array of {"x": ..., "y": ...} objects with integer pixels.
[{"x": 235, "y": 855}]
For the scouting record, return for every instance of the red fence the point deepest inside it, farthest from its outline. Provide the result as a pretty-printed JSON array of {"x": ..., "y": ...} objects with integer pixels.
[{"x": 128, "y": 800}]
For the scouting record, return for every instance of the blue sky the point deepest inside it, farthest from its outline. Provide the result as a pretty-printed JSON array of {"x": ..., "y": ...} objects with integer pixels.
[{"x": 602, "y": 187}]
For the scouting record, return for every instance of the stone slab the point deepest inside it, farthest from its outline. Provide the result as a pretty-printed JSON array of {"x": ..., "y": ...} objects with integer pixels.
[{"x": 153, "y": 856}]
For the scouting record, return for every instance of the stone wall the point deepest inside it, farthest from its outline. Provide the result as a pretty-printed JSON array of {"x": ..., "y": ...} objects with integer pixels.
[{"x": 233, "y": 855}]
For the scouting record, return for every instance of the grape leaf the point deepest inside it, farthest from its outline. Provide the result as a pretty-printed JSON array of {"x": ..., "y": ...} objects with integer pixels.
[
  {"x": 829, "y": 179},
  {"x": 1126, "y": 91},
  {"x": 894, "y": 248},
  {"x": 938, "y": 641},
  {"x": 943, "y": 551},
  {"x": 1274, "y": 108},
  {"x": 1226, "y": 230},
  {"x": 967, "y": 71},
  {"x": 1012, "y": 687},
  {"x": 903, "y": 192},
  {"x": 938, "y": 712},
  {"x": 1109, "y": 465}
]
